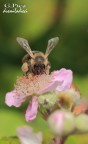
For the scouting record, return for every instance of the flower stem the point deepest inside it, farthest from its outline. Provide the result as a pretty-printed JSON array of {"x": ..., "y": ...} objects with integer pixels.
[{"x": 59, "y": 140}]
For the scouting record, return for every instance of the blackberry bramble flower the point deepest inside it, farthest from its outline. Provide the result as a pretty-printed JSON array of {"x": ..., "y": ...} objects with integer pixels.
[{"x": 35, "y": 86}]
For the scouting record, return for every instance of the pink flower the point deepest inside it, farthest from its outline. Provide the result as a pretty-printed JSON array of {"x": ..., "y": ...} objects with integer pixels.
[
  {"x": 36, "y": 85},
  {"x": 31, "y": 111},
  {"x": 27, "y": 136},
  {"x": 12, "y": 98},
  {"x": 61, "y": 80}
]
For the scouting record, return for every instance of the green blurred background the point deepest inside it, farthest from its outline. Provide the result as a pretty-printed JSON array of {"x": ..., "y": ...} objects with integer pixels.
[{"x": 45, "y": 19}]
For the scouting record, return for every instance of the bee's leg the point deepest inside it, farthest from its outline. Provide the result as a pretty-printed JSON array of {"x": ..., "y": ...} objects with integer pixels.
[
  {"x": 24, "y": 67},
  {"x": 26, "y": 70},
  {"x": 48, "y": 69},
  {"x": 30, "y": 75}
]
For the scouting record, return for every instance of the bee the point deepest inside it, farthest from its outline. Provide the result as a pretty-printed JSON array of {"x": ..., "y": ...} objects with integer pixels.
[{"x": 36, "y": 62}]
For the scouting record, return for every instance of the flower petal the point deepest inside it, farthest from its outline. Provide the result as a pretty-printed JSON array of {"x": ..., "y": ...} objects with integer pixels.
[
  {"x": 64, "y": 77},
  {"x": 61, "y": 80},
  {"x": 32, "y": 109},
  {"x": 12, "y": 99},
  {"x": 27, "y": 136}
]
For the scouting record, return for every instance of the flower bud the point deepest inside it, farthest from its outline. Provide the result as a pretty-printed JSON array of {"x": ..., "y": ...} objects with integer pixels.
[
  {"x": 61, "y": 123},
  {"x": 81, "y": 123}
]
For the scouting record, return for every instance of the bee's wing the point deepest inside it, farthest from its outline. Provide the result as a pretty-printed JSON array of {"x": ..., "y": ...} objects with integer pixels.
[
  {"x": 51, "y": 44},
  {"x": 24, "y": 43}
]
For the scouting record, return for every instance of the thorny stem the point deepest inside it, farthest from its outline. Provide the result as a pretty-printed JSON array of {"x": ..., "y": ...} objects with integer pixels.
[
  {"x": 61, "y": 140},
  {"x": 45, "y": 114}
]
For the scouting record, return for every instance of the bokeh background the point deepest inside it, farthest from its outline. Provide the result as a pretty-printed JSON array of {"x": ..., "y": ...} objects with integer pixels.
[{"x": 45, "y": 19}]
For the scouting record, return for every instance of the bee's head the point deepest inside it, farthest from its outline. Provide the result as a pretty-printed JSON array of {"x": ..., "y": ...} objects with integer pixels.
[
  {"x": 39, "y": 63},
  {"x": 39, "y": 69}
]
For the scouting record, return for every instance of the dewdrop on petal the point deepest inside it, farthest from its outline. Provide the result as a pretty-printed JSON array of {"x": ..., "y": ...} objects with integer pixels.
[{"x": 61, "y": 123}]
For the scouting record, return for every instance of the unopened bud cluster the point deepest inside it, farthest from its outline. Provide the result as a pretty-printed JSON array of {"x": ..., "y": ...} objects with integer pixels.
[{"x": 64, "y": 123}]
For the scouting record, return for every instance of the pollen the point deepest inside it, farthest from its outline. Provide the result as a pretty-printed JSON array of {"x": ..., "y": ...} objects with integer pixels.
[{"x": 26, "y": 86}]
